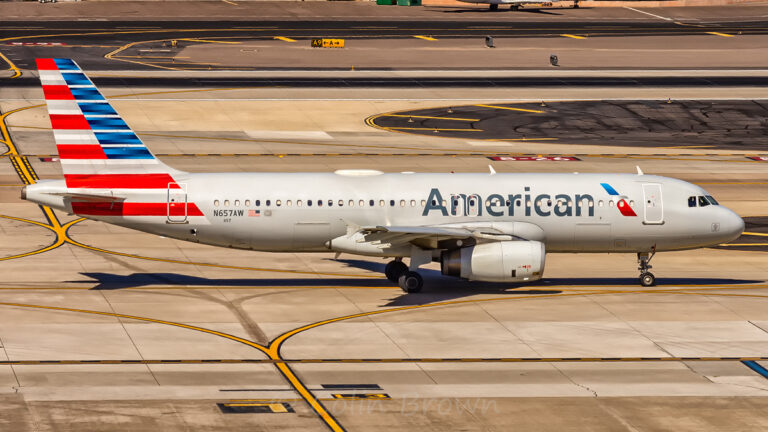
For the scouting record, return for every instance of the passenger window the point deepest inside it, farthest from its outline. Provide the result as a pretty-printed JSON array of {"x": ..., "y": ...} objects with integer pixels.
[
  {"x": 391, "y": 203},
  {"x": 258, "y": 203},
  {"x": 600, "y": 203},
  {"x": 309, "y": 203},
  {"x": 703, "y": 202},
  {"x": 381, "y": 203},
  {"x": 351, "y": 203},
  {"x": 341, "y": 203},
  {"x": 402, "y": 203},
  {"x": 215, "y": 203},
  {"x": 692, "y": 201},
  {"x": 288, "y": 203},
  {"x": 247, "y": 203},
  {"x": 277, "y": 203},
  {"x": 361, "y": 203},
  {"x": 610, "y": 203},
  {"x": 712, "y": 200},
  {"x": 237, "y": 203},
  {"x": 423, "y": 203},
  {"x": 319, "y": 203},
  {"x": 298, "y": 203},
  {"x": 330, "y": 203},
  {"x": 371, "y": 203},
  {"x": 268, "y": 203},
  {"x": 632, "y": 203},
  {"x": 226, "y": 203},
  {"x": 413, "y": 203}
]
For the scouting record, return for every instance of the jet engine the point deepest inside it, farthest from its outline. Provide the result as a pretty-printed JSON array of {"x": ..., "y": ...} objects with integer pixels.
[{"x": 504, "y": 261}]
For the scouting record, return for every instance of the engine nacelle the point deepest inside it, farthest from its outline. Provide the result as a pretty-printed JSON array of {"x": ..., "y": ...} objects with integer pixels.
[{"x": 505, "y": 261}]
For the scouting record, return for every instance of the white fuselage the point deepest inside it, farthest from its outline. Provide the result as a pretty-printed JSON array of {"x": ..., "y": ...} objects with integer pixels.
[{"x": 303, "y": 211}]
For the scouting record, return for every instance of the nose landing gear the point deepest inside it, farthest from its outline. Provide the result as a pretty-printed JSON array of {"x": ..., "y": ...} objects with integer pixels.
[{"x": 647, "y": 278}]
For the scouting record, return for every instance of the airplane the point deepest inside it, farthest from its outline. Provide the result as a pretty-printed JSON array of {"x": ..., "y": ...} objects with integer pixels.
[
  {"x": 482, "y": 227},
  {"x": 516, "y": 4}
]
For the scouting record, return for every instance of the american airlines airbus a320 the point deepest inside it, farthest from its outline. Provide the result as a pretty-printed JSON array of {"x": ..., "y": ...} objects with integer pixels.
[{"x": 484, "y": 227}]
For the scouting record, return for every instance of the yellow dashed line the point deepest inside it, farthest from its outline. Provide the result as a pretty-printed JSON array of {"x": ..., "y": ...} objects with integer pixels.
[
  {"x": 210, "y": 41},
  {"x": 428, "y": 38},
  {"x": 511, "y": 108},
  {"x": 720, "y": 34},
  {"x": 573, "y": 36},
  {"x": 284, "y": 39}
]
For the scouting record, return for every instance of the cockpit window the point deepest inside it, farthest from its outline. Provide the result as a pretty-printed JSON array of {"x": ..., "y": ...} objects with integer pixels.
[
  {"x": 692, "y": 201},
  {"x": 712, "y": 200},
  {"x": 703, "y": 202}
]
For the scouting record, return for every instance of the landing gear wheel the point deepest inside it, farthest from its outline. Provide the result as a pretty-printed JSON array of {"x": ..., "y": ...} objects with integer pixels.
[
  {"x": 394, "y": 269},
  {"x": 494, "y": 7},
  {"x": 647, "y": 279},
  {"x": 411, "y": 282},
  {"x": 514, "y": 7}
]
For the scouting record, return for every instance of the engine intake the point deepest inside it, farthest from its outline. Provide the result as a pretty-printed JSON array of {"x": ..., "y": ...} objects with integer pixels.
[{"x": 505, "y": 261}]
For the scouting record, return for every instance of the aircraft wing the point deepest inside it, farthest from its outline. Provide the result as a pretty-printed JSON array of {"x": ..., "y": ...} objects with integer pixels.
[{"x": 441, "y": 236}]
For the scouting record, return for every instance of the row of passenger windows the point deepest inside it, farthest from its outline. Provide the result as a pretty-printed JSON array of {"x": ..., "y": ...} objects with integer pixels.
[
  {"x": 392, "y": 203},
  {"x": 702, "y": 201}
]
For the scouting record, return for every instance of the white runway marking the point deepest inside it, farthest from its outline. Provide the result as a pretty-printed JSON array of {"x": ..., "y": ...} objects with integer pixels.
[{"x": 648, "y": 13}]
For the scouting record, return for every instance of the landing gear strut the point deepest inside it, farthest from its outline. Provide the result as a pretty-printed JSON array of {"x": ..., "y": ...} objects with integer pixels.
[{"x": 647, "y": 278}]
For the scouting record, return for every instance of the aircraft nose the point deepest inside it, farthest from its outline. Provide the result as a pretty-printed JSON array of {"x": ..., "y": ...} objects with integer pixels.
[{"x": 732, "y": 225}]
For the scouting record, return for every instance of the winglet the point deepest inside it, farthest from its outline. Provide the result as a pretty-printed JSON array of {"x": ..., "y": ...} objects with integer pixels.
[
  {"x": 490, "y": 167},
  {"x": 639, "y": 171}
]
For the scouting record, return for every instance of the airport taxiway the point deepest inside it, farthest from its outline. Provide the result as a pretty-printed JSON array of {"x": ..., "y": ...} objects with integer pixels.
[{"x": 106, "y": 327}]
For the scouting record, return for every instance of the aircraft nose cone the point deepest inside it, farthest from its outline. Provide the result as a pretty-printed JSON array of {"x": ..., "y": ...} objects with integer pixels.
[{"x": 733, "y": 226}]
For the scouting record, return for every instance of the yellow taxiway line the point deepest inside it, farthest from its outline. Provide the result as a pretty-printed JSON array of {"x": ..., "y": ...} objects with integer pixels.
[
  {"x": 284, "y": 39},
  {"x": 573, "y": 36},
  {"x": 11, "y": 66},
  {"x": 720, "y": 34},
  {"x": 429, "y": 117},
  {"x": 511, "y": 108},
  {"x": 436, "y": 129},
  {"x": 427, "y": 38}
]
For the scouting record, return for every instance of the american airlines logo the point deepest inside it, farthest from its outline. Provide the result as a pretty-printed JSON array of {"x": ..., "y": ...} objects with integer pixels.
[
  {"x": 498, "y": 205},
  {"x": 525, "y": 204}
]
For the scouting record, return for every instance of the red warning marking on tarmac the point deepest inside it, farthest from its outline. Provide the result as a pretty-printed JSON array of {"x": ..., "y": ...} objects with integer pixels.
[
  {"x": 534, "y": 158},
  {"x": 758, "y": 158},
  {"x": 36, "y": 44}
]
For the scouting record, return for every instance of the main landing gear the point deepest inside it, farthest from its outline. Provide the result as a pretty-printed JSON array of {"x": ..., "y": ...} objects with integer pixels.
[
  {"x": 647, "y": 278},
  {"x": 409, "y": 281}
]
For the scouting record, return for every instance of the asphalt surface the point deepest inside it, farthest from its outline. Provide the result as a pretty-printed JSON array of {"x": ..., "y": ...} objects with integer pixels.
[
  {"x": 410, "y": 82},
  {"x": 735, "y": 124},
  {"x": 90, "y": 41}
]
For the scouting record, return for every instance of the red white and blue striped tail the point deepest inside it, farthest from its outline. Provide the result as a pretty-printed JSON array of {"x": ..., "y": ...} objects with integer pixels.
[{"x": 96, "y": 147}]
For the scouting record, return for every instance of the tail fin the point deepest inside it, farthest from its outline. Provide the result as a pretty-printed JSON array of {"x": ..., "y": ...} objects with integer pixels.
[{"x": 96, "y": 148}]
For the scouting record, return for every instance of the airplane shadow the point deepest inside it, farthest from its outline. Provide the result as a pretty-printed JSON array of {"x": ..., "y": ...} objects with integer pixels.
[{"x": 109, "y": 281}]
